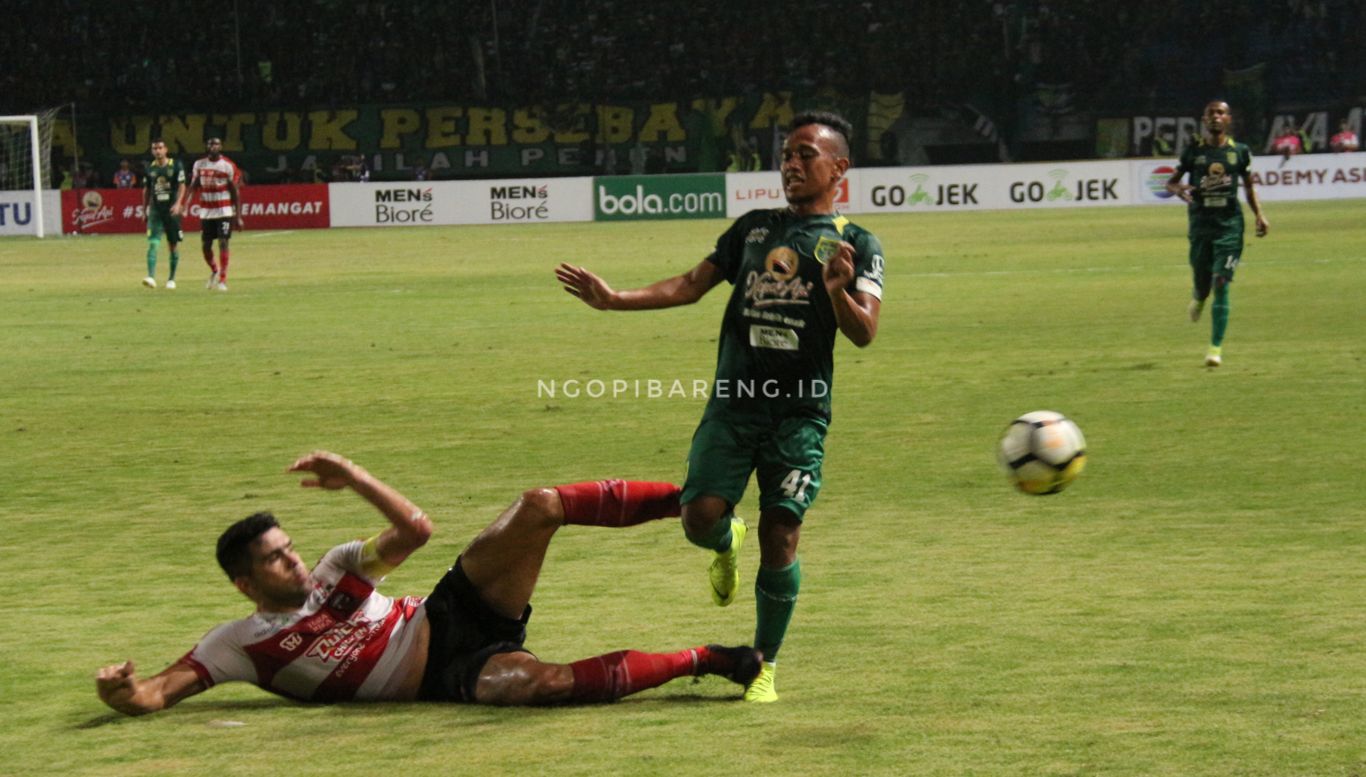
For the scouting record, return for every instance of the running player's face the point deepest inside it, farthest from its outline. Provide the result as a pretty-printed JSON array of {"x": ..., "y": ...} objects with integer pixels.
[
  {"x": 278, "y": 576},
  {"x": 1218, "y": 117},
  {"x": 159, "y": 152},
  {"x": 215, "y": 148},
  {"x": 812, "y": 165}
]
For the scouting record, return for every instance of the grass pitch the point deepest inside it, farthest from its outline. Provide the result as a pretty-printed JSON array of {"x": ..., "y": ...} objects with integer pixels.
[{"x": 1192, "y": 605}]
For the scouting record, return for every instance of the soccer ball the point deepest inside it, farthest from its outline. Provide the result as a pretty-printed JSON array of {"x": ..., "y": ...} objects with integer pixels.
[{"x": 1042, "y": 452}]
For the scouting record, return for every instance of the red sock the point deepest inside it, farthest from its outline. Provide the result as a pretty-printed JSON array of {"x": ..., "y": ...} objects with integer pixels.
[
  {"x": 618, "y": 502},
  {"x": 223, "y": 264},
  {"x": 208, "y": 259},
  {"x": 614, "y": 675}
]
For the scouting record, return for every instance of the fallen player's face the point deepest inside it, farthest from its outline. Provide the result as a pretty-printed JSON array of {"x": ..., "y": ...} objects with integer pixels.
[{"x": 278, "y": 575}]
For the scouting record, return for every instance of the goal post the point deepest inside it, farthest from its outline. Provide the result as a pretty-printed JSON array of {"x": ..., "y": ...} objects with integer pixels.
[{"x": 25, "y": 153}]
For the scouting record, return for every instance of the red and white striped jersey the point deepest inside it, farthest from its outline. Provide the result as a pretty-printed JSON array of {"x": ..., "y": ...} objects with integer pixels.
[
  {"x": 215, "y": 201},
  {"x": 346, "y": 642}
]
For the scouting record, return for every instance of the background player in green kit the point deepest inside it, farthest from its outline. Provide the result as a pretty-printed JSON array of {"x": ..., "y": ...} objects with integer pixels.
[
  {"x": 801, "y": 274},
  {"x": 1215, "y": 162},
  {"x": 163, "y": 195}
]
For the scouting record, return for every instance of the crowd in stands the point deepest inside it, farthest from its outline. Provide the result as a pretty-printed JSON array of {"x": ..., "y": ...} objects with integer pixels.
[{"x": 176, "y": 55}]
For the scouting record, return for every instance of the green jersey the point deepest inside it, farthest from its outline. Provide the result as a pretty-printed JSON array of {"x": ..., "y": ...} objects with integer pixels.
[
  {"x": 163, "y": 183},
  {"x": 776, "y": 350},
  {"x": 1215, "y": 172}
]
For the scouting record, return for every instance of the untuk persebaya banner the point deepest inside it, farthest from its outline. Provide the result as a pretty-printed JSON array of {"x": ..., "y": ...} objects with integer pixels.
[{"x": 452, "y": 141}]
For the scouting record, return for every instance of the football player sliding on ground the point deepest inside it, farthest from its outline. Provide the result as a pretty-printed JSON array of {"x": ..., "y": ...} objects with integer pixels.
[{"x": 326, "y": 634}]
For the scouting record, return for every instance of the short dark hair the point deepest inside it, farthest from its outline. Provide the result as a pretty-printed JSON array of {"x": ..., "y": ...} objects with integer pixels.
[
  {"x": 156, "y": 141},
  {"x": 234, "y": 544},
  {"x": 829, "y": 119}
]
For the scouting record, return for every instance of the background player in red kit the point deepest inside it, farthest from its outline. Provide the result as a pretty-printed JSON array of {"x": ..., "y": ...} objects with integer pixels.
[
  {"x": 218, "y": 181},
  {"x": 326, "y": 635}
]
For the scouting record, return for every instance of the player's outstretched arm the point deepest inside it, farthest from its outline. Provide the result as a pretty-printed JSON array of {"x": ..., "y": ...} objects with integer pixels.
[
  {"x": 856, "y": 312},
  {"x": 683, "y": 289},
  {"x": 119, "y": 687},
  {"x": 409, "y": 528}
]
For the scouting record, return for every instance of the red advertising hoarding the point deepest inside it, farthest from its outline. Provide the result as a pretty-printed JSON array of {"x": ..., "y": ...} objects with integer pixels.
[{"x": 107, "y": 211}]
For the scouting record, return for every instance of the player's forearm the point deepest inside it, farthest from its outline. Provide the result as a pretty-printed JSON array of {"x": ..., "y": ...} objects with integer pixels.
[
  {"x": 410, "y": 522},
  {"x": 668, "y": 293},
  {"x": 855, "y": 321},
  {"x": 144, "y": 699}
]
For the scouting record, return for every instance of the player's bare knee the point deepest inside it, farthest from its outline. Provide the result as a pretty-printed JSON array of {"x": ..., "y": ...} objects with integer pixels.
[
  {"x": 701, "y": 514},
  {"x": 543, "y": 505}
]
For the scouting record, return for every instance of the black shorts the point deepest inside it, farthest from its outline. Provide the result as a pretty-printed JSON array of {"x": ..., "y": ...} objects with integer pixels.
[
  {"x": 465, "y": 633},
  {"x": 210, "y": 229}
]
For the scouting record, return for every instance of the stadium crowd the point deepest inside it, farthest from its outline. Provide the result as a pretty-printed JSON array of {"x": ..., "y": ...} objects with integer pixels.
[{"x": 174, "y": 55}]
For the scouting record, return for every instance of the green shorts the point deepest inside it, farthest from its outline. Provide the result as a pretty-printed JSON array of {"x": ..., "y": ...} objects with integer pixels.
[
  {"x": 159, "y": 221},
  {"x": 785, "y": 453},
  {"x": 1216, "y": 252}
]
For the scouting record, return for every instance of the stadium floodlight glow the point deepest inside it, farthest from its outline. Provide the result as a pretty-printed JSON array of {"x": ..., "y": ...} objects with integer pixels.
[{"x": 36, "y": 163}]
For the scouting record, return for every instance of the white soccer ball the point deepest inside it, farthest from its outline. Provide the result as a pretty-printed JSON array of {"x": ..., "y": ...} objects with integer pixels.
[{"x": 1042, "y": 452}]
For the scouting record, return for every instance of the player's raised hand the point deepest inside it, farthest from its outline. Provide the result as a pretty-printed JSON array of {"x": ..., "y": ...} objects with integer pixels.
[
  {"x": 583, "y": 284},
  {"x": 332, "y": 471},
  {"x": 115, "y": 683},
  {"x": 839, "y": 269}
]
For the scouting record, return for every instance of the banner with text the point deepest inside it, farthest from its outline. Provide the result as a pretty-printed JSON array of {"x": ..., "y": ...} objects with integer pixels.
[
  {"x": 636, "y": 197},
  {"x": 428, "y": 203},
  {"x": 1303, "y": 177},
  {"x": 992, "y": 187},
  {"x": 18, "y": 216},
  {"x": 104, "y": 211},
  {"x": 750, "y": 191}
]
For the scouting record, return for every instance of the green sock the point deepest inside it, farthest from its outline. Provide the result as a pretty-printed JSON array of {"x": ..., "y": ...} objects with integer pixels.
[
  {"x": 1218, "y": 315},
  {"x": 775, "y": 597},
  {"x": 175, "y": 262},
  {"x": 153, "y": 244},
  {"x": 717, "y": 538}
]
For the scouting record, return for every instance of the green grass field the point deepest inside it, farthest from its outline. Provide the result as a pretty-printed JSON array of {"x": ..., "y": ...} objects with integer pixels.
[{"x": 1194, "y": 604}]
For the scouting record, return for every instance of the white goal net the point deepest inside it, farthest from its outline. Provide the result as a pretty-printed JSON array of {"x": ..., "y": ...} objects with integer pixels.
[{"x": 25, "y": 171}]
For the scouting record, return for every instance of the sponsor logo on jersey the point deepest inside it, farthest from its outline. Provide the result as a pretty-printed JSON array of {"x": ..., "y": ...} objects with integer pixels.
[
  {"x": 781, "y": 263},
  {"x": 773, "y": 337},
  {"x": 826, "y": 249},
  {"x": 763, "y": 290},
  {"x": 291, "y": 641},
  {"x": 757, "y": 235}
]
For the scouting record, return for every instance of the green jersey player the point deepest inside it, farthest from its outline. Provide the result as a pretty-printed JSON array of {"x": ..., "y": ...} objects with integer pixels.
[
  {"x": 163, "y": 194},
  {"x": 800, "y": 274},
  {"x": 1215, "y": 163}
]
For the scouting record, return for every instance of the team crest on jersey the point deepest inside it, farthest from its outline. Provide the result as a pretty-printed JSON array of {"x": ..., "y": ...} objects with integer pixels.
[
  {"x": 826, "y": 249},
  {"x": 781, "y": 263},
  {"x": 1232, "y": 158}
]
